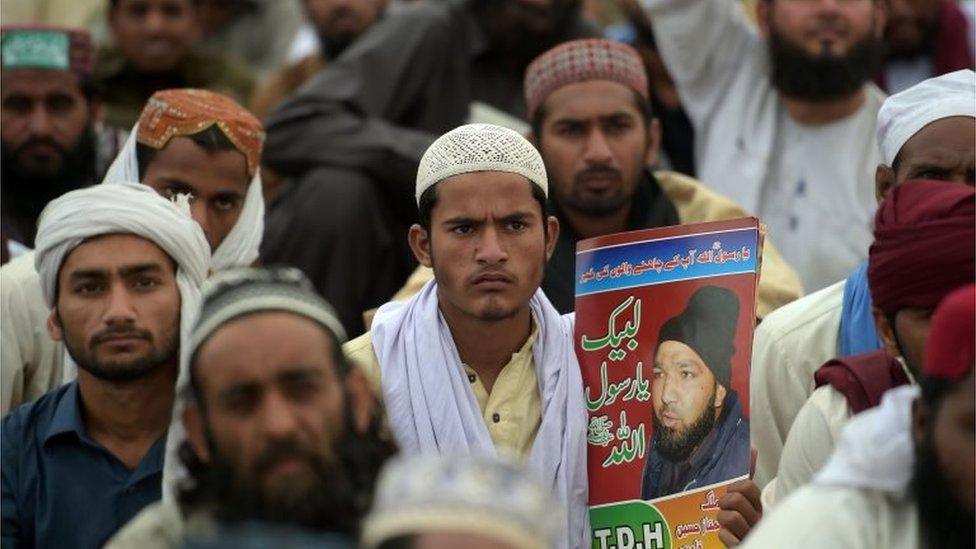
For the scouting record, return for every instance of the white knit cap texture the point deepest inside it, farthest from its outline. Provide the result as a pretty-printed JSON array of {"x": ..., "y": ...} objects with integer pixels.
[
  {"x": 902, "y": 115},
  {"x": 480, "y": 148}
]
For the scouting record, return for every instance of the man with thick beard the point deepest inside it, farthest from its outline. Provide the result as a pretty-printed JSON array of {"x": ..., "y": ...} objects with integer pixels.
[
  {"x": 280, "y": 428},
  {"x": 120, "y": 270},
  {"x": 784, "y": 118},
  {"x": 48, "y": 112},
  {"x": 700, "y": 436},
  {"x": 350, "y": 140},
  {"x": 903, "y": 473}
]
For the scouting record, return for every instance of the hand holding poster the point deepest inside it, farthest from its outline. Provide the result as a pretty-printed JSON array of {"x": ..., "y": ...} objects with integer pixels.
[{"x": 664, "y": 324}]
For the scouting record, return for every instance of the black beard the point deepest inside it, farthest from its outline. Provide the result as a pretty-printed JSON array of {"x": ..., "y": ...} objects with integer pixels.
[
  {"x": 333, "y": 46},
  {"x": 132, "y": 371},
  {"x": 520, "y": 32},
  {"x": 335, "y": 503},
  {"x": 824, "y": 77},
  {"x": 941, "y": 516},
  {"x": 25, "y": 194},
  {"x": 676, "y": 447}
]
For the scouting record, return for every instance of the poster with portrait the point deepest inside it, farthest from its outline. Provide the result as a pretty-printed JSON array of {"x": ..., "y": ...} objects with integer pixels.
[{"x": 664, "y": 324}]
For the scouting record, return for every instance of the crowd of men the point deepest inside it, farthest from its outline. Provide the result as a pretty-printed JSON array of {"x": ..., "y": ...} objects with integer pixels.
[{"x": 266, "y": 284}]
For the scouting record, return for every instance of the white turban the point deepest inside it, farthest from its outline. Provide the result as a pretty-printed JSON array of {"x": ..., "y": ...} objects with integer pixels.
[
  {"x": 240, "y": 247},
  {"x": 902, "y": 115},
  {"x": 480, "y": 148},
  {"x": 128, "y": 209}
]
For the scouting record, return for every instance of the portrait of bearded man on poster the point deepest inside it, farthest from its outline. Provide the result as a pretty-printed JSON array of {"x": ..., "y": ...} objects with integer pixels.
[{"x": 700, "y": 436}]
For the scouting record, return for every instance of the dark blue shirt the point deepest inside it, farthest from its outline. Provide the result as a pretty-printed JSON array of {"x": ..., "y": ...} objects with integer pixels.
[{"x": 61, "y": 488}]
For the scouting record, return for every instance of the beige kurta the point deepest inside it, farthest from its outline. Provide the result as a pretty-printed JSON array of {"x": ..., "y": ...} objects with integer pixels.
[
  {"x": 788, "y": 347},
  {"x": 31, "y": 363},
  {"x": 512, "y": 410}
]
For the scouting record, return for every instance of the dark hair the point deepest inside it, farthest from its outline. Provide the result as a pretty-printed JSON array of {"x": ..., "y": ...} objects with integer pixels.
[
  {"x": 211, "y": 140},
  {"x": 399, "y": 542},
  {"x": 643, "y": 107},
  {"x": 429, "y": 199}
]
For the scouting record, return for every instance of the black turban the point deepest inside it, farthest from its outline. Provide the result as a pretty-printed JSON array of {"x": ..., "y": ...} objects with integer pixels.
[{"x": 707, "y": 325}]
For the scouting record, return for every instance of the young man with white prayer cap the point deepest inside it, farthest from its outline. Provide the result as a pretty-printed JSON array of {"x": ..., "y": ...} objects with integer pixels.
[
  {"x": 187, "y": 141},
  {"x": 432, "y": 501},
  {"x": 479, "y": 362},
  {"x": 902, "y": 476},
  {"x": 120, "y": 269},
  {"x": 928, "y": 132}
]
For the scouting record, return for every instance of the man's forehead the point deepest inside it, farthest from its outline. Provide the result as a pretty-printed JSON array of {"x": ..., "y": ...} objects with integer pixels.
[
  {"x": 38, "y": 82},
  {"x": 478, "y": 193},
  {"x": 936, "y": 136},
  {"x": 589, "y": 99},
  {"x": 102, "y": 253}
]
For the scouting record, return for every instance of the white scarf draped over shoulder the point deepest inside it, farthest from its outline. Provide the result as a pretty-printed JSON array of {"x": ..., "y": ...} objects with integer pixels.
[
  {"x": 240, "y": 247},
  {"x": 431, "y": 407}
]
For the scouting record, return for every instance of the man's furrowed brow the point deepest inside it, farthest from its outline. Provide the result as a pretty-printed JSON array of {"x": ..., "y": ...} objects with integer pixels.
[{"x": 140, "y": 268}]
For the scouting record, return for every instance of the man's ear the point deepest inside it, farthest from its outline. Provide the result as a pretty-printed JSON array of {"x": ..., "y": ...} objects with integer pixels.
[
  {"x": 195, "y": 432},
  {"x": 920, "y": 420},
  {"x": 720, "y": 392},
  {"x": 763, "y": 14},
  {"x": 886, "y": 332},
  {"x": 884, "y": 181},
  {"x": 419, "y": 239},
  {"x": 54, "y": 325},
  {"x": 552, "y": 233},
  {"x": 362, "y": 399},
  {"x": 653, "y": 143}
]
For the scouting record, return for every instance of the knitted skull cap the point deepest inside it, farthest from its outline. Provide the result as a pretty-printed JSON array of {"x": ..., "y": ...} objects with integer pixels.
[
  {"x": 580, "y": 61},
  {"x": 480, "y": 148}
]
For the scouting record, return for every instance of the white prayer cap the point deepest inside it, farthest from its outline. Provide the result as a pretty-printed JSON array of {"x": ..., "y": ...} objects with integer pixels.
[
  {"x": 902, "y": 115},
  {"x": 431, "y": 493},
  {"x": 480, "y": 148},
  {"x": 240, "y": 246}
]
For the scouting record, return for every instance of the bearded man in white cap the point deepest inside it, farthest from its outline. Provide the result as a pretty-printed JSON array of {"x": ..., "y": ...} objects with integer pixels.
[
  {"x": 924, "y": 132},
  {"x": 480, "y": 362},
  {"x": 187, "y": 141},
  {"x": 120, "y": 269}
]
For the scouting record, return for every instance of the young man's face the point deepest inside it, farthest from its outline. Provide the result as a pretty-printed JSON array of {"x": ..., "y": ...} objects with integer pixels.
[
  {"x": 911, "y": 24},
  {"x": 273, "y": 406},
  {"x": 217, "y": 181},
  {"x": 43, "y": 116},
  {"x": 339, "y": 22},
  {"x": 954, "y": 440},
  {"x": 154, "y": 35},
  {"x": 487, "y": 244},
  {"x": 685, "y": 396},
  {"x": 118, "y": 307},
  {"x": 596, "y": 145}
]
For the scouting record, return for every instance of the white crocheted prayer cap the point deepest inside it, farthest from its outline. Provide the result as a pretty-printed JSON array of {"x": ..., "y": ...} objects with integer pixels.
[
  {"x": 479, "y": 495},
  {"x": 480, "y": 148},
  {"x": 902, "y": 115}
]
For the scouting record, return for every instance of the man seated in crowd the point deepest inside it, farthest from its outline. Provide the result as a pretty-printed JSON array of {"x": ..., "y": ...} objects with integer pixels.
[
  {"x": 187, "y": 141},
  {"x": 337, "y": 24},
  {"x": 281, "y": 429},
  {"x": 479, "y": 361},
  {"x": 351, "y": 138},
  {"x": 50, "y": 132},
  {"x": 903, "y": 473},
  {"x": 928, "y": 131},
  {"x": 464, "y": 501},
  {"x": 120, "y": 269},
  {"x": 784, "y": 118},
  {"x": 930, "y": 228},
  {"x": 925, "y": 39},
  {"x": 155, "y": 50},
  {"x": 592, "y": 123},
  {"x": 700, "y": 437}
]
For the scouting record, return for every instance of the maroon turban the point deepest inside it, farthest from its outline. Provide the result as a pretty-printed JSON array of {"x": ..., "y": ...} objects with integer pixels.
[
  {"x": 924, "y": 245},
  {"x": 951, "y": 348}
]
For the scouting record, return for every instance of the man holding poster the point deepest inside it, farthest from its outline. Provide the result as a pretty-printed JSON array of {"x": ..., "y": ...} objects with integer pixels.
[{"x": 700, "y": 437}]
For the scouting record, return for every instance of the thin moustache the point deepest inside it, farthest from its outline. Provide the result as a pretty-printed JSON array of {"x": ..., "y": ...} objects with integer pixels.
[{"x": 593, "y": 173}]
